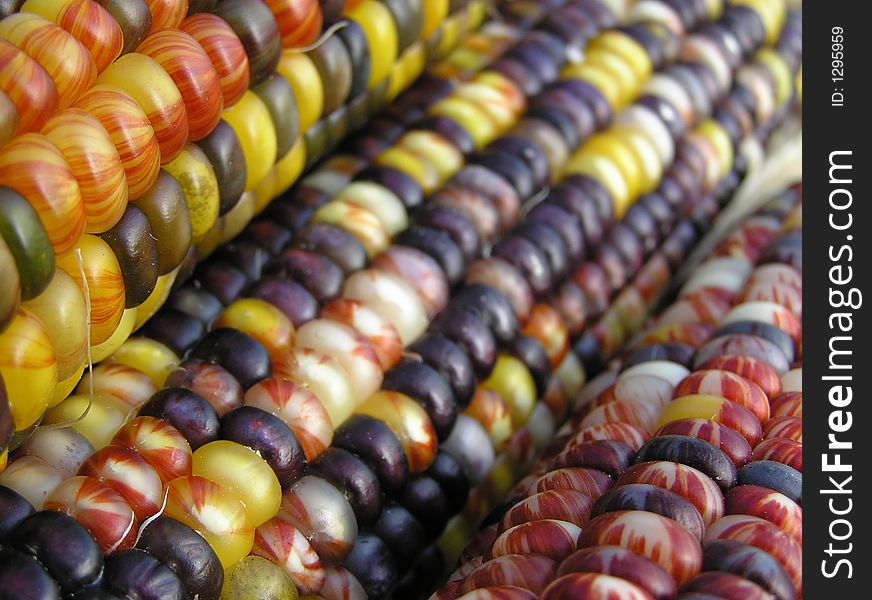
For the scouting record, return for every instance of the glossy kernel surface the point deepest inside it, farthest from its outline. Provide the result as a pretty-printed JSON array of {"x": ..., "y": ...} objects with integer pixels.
[{"x": 244, "y": 474}]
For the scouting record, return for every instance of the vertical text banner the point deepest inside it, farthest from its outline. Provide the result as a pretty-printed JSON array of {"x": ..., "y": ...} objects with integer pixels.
[{"x": 837, "y": 342}]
